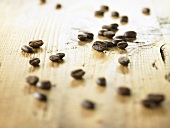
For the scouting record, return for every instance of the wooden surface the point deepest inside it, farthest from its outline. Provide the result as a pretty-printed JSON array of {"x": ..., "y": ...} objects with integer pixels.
[{"x": 24, "y": 20}]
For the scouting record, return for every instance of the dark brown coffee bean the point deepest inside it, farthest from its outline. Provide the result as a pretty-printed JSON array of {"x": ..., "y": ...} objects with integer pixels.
[
  {"x": 148, "y": 103},
  {"x": 156, "y": 98},
  {"x": 55, "y": 58},
  {"x": 101, "y": 81},
  {"x": 58, "y": 6},
  {"x": 116, "y": 41},
  {"x": 32, "y": 80},
  {"x": 45, "y": 84},
  {"x": 130, "y": 34},
  {"x": 61, "y": 55},
  {"x": 27, "y": 49},
  {"x": 146, "y": 11},
  {"x": 36, "y": 43},
  {"x": 100, "y": 33},
  {"x": 77, "y": 74},
  {"x": 114, "y": 26},
  {"x": 99, "y": 13},
  {"x": 104, "y": 8},
  {"x": 124, "y": 91},
  {"x": 82, "y": 37},
  {"x": 89, "y": 35},
  {"x": 124, "y": 61},
  {"x": 115, "y": 14},
  {"x": 34, "y": 61},
  {"x": 122, "y": 44},
  {"x": 40, "y": 96},
  {"x": 124, "y": 19},
  {"x": 109, "y": 44},
  {"x": 88, "y": 104},
  {"x": 109, "y": 34},
  {"x": 99, "y": 46},
  {"x": 120, "y": 37}
]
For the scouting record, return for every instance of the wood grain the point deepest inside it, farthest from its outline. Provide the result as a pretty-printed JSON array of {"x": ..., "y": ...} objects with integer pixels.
[{"x": 25, "y": 20}]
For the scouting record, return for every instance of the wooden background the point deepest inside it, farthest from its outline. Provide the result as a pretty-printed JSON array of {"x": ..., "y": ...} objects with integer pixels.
[{"x": 24, "y": 20}]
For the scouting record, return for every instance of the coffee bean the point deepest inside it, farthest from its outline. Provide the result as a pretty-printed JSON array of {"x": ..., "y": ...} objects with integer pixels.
[
  {"x": 82, "y": 37},
  {"x": 61, "y": 55},
  {"x": 77, "y": 74},
  {"x": 116, "y": 41},
  {"x": 120, "y": 37},
  {"x": 99, "y": 46},
  {"x": 89, "y": 35},
  {"x": 32, "y": 80},
  {"x": 156, "y": 98},
  {"x": 99, "y": 13},
  {"x": 88, "y": 104},
  {"x": 114, "y": 26},
  {"x": 124, "y": 19},
  {"x": 124, "y": 61},
  {"x": 115, "y": 14},
  {"x": 122, "y": 45},
  {"x": 34, "y": 61},
  {"x": 124, "y": 91},
  {"x": 109, "y": 34},
  {"x": 130, "y": 34},
  {"x": 27, "y": 49},
  {"x": 148, "y": 103},
  {"x": 36, "y": 43},
  {"x": 100, "y": 33},
  {"x": 55, "y": 58},
  {"x": 40, "y": 96},
  {"x": 146, "y": 11},
  {"x": 104, "y": 8},
  {"x": 45, "y": 84},
  {"x": 58, "y": 6},
  {"x": 101, "y": 81},
  {"x": 109, "y": 44}
]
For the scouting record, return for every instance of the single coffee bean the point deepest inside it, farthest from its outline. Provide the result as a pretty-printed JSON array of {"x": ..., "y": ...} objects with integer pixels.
[
  {"x": 32, "y": 80},
  {"x": 146, "y": 11},
  {"x": 45, "y": 84},
  {"x": 99, "y": 46},
  {"x": 156, "y": 98},
  {"x": 89, "y": 35},
  {"x": 109, "y": 44},
  {"x": 100, "y": 33},
  {"x": 58, "y": 6},
  {"x": 34, "y": 61},
  {"x": 124, "y": 91},
  {"x": 124, "y": 19},
  {"x": 115, "y": 14},
  {"x": 77, "y": 74},
  {"x": 124, "y": 61},
  {"x": 130, "y": 34},
  {"x": 104, "y": 8},
  {"x": 148, "y": 103},
  {"x": 114, "y": 26},
  {"x": 40, "y": 96},
  {"x": 88, "y": 104},
  {"x": 101, "y": 81},
  {"x": 109, "y": 34},
  {"x": 122, "y": 44},
  {"x": 27, "y": 49},
  {"x": 82, "y": 37},
  {"x": 116, "y": 41},
  {"x": 61, "y": 55},
  {"x": 36, "y": 43},
  {"x": 55, "y": 58},
  {"x": 99, "y": 13}
]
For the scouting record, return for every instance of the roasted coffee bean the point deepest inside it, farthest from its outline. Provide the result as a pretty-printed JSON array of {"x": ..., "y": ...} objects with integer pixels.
[
  {"x": 101, "y": 81},
  {"x": 36, "y": 43},
  {"x": 109, "y": 44},
  {"x": 124, "y": 19},
  {"x": 45, "y": 84},
  {"x": 124, "y": 61},
  {"x": 55, "y": 58},
  {"x": 124, "y": 91},
  {"x": 32, "y": 80},
  {"x": 116, "y": 41},
  {"x": 99, "y": 46},
  {"x": 104, "y": 8},
  {"x": 58, "y": 6},
  {"x": 115, "y": 14},
  {"x": 109, "y": 34},
  {"x": 40, "y": 96},
  {"x": 130, "y": 34},
  {"x": 27, "y": 49},
  {"x": 77, "y": 74},
  {"x": 114, "y": 26},
  {"x": 89, "y": 35},
  {"x": 100, "y": 33},
  {"x": 82, "y": 37},
  {"x": 120, "y": 37},
  {"x": 34, "y": 61},
  {"x": 99, "y": 13},
  {"x": 148, "y": 103},
  {"x": 122, "y": 44},
  {"x": 146, "y": 11},
  {"x": 61, "y": 55},
  {"x": 156, "y": 98},
  {"x": 88, "y": 104}
]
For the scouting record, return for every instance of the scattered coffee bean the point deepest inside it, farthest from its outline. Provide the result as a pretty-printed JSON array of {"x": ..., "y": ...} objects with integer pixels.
[
  {"x": 104, "y": 8},
  {"x": 120, "y": 37},
  {"x": 148, "y": 103},
  {"x": 109, "y": 44},
  {"x": 45, "y": 84},
  {"x": 27, "y": 49},
  {"x": 99, "y": 13},
  {"x": 101, "y": 81},
  {"x": 124, "y": 61},
  {"x": 115, "y": 14},
  {"x": 109, "y": 34},
  {"x": 122, "y": 45},
  {"x": 55, "y": 58},
  {"x": 130, "y": 34},
  {"x": 89, "y": 35},
  {"x": 99, "y": 46},
  {"x": 58, "y": 6},
  {"x": 156, "y": 98},
  {"x": 116, "y": 41},
  {"x": 40, "y": 96},
  {"x": 100, "y": 33},
  {"x": 114, "y": 26},
  {"x": 36, "y": 43},
  {"x": 88, "y": 104},
  {"x": 32, "y": 80},
  {"x": 77, "y": 74},
  {"x": 124, "y": 19},
  {"x": 61, "y": 55},
  {"x": 34, "y": 61},
  {"x": 146, "y": 11},
  {"x": 82, "y": 37},
  {"x": 124, "y": 91}
]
